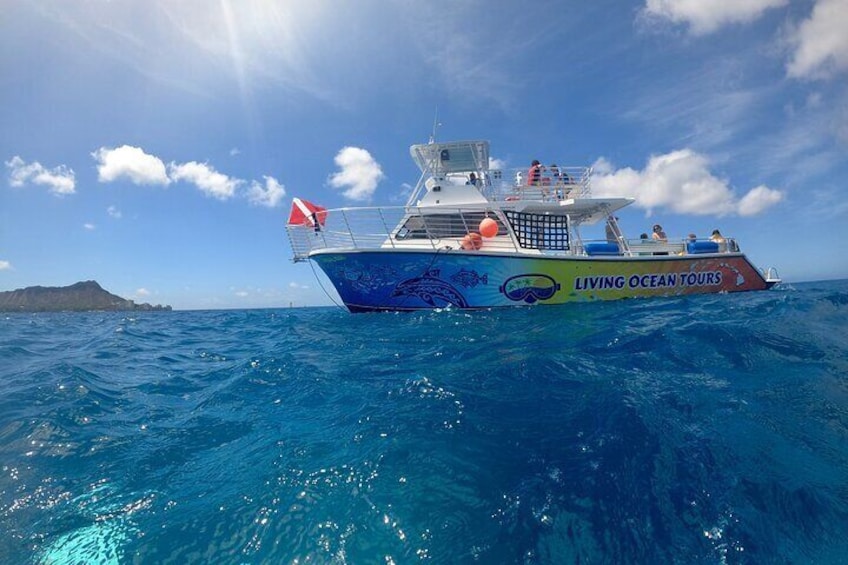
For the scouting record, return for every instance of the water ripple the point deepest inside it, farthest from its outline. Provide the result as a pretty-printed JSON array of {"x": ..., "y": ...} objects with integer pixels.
[{"x": 689, "y": 430}]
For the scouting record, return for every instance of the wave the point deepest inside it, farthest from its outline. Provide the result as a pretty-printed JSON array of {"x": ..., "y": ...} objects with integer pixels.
[{"x": 692, "y": 429}]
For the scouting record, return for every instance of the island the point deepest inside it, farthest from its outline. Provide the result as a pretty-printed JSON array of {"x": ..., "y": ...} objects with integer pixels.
[{"x": 83, "y": 296}]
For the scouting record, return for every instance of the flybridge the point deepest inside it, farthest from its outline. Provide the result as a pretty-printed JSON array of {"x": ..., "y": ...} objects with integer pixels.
[{"x": 454, "y": 157}]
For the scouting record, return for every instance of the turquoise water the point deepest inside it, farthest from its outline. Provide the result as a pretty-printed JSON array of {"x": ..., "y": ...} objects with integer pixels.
[{"x": 709, "y": 429}]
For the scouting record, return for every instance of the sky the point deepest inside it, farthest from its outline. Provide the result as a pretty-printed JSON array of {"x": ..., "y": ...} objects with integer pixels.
[{"x": 155, "y": 146}]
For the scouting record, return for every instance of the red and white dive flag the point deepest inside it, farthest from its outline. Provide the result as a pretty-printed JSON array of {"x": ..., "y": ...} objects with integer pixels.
[{"x": 304, "y": 213}]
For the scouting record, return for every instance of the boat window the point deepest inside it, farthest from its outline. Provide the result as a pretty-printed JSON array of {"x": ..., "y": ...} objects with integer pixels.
[
  {"x": 437, "y": 226},
  {"x": 539, "y": 231}
]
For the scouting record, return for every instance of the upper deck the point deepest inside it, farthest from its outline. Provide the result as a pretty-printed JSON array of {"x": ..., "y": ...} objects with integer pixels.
[{"x": 459, "y": 173}]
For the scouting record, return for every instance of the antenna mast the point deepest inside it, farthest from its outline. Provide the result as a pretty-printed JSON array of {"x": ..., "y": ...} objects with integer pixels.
[{"x": 436, "y": 124}]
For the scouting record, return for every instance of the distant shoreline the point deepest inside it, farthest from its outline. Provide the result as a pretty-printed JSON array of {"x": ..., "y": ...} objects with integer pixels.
[{"x": 84, "y": 296}]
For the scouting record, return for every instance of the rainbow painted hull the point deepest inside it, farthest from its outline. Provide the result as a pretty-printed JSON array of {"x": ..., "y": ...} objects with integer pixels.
[{"x": 416, "y": 280}]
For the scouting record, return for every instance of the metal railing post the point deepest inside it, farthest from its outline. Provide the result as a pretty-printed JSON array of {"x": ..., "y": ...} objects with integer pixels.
[
  {"x": 349, "y": 230},
  {"x": 386, "y": 227}
]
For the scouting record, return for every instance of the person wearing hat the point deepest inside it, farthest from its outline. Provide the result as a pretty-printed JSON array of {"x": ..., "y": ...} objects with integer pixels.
[{"x": 659, "y": 234}]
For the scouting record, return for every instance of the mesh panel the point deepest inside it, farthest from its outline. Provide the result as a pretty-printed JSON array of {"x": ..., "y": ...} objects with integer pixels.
[{"x": 539, "y": 231}]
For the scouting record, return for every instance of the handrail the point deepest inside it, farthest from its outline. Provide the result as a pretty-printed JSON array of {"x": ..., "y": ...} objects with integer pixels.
[
  {"x": 513, "y": 184},
  {"x": 428, "y": 228}
]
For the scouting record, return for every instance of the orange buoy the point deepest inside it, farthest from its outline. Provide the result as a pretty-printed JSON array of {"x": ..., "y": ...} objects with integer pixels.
[
  {"x": 488, "y": 227},
  {"x": 472, "y": 241}
]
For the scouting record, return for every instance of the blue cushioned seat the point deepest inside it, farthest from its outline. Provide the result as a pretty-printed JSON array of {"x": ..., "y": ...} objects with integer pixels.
[
  {"x": 696, "y": 247},
  {"x": 599, "y": 248}
]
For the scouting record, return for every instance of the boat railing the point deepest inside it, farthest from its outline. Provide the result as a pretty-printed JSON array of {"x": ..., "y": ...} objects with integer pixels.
[
  {"x": 412, "y": 228},
  {"x": 687, "y": 246},
  {"x": 552, "y": 185},
  {"x": 771, "y": 275},
  {"x": 405, "y": 227}
]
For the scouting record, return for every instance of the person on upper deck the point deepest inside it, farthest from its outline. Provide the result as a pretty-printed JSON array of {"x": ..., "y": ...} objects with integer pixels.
[
  {"x": 556, "y": 180},
  {"x": 534, "y": 175},
  {"x": 659, "y": 234},
  {"x": 718, "y": 238},
  {"x": 555, "y": 176},
  {"x": 472, "y": 179}
]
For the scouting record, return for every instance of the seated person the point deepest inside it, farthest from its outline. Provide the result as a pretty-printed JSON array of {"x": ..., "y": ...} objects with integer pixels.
[
  {"x": 659, "y": 234},
  {"x": 718, "y": 238}
]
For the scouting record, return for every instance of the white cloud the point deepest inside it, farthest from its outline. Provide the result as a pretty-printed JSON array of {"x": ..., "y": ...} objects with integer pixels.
[
  {"x": 705, "y": 17},
  {"x": 682, "y": 182},
  {"x": 242, "y": 293},
  {"x": 142, "y": 292},
  {"x": 821, "y": 42},
  {"x": 497, "y": 164},
  {"x": 758, "y": 199},
  {"x": 130, "y": 162},
  {"x": 234, "y": 151},
  {"x": 89, "y": 226},
  {"x": 269, "y": 195},
  {"x": 142, "y": 168},
  {"x": 359, "y": 173},
  {"x": 60, "y": 180},
  {"x": 5, "y": 265},
  {"x": 297, "y": 286},
  {"x": 205, "y": 178},
  {"x": 602, "y": 167}
]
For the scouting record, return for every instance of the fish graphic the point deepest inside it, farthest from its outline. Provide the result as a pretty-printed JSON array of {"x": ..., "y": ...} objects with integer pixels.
[
  {"x": 469, "y": 279},
  {"x": 431, "y": 290}
]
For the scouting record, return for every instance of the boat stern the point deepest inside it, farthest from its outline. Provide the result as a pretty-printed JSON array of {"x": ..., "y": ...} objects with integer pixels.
[{"x": 771, "y": 277}]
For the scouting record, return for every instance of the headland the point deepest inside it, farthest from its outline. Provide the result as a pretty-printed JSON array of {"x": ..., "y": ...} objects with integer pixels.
[{"x": 83, "y": 296}]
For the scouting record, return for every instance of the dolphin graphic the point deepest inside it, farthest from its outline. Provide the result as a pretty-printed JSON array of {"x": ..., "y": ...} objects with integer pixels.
[{"x": 431, "y": 290}]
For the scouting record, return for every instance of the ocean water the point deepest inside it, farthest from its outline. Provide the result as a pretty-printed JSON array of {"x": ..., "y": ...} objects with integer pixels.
[{"x": 710, "y": 429}]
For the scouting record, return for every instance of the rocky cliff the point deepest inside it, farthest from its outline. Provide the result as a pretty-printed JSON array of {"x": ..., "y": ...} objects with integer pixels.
[{"x": 82, "y": 296}]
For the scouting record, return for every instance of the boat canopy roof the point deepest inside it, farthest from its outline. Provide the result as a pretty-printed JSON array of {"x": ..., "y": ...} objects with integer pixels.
[
  {"x": 583, "y": 210},
  {"x": 440, "y": 159},
  {"x": 593, "y": 210}
]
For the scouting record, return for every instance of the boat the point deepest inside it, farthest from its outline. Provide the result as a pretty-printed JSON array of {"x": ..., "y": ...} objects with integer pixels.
[{"x": 471, "y": 236}]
